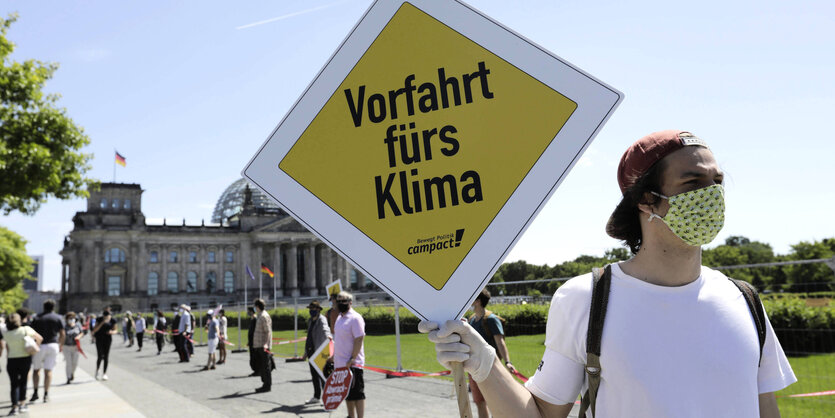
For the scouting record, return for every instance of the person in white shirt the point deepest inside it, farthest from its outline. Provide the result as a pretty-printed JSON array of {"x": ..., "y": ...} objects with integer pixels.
[
  {"x": 140, "y": 330},
  {"x": 678, "y": 339}
]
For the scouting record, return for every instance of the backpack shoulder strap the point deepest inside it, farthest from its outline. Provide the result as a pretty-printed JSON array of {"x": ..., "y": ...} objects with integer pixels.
[
  {"x": 601, "y": 284},
  {"x": 756, "y": 308}
]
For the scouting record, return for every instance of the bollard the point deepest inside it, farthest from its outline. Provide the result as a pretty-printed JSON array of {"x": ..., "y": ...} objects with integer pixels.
[
  {"x": 397, "y": 334},
  {"x": 296, "y": 327}
]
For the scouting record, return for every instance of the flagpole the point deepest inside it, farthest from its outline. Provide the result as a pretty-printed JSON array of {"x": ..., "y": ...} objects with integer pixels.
[
  {"x": 114, "y": 166},
  {"x": 260, "y": 279}
]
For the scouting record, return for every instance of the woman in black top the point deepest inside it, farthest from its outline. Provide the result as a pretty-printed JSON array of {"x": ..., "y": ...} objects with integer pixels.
[
  {"x": 159, "y": 331},
  {"x": 105, "y": 328}
]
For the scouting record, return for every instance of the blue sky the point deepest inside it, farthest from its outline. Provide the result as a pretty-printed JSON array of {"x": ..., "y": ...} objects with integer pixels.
[{"x": 188, "y": 91}]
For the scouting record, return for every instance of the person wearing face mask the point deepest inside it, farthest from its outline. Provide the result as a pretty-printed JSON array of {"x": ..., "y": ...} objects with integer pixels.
[
  {"x": 675, "y": 338},
  {"x": 73, "y": 332},
  {"x": 103, "y": 333},
  {"x": 348, "y": 351},
  {"x": 318, "y": 332},
  {"x": 183, "y": 330},
  {"x": 159, "y": 330}
]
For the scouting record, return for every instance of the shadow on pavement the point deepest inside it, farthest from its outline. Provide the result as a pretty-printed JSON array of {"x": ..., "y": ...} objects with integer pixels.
[
  {"x": 238, "y": 377},
  {"x": 293, "y": 409},
  {"x": 232, "y": 396}
]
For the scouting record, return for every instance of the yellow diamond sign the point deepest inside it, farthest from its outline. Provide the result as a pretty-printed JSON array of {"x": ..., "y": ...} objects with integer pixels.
[
  {"x": 427, "y": 144},
  {"x": 426, "y": 151}
]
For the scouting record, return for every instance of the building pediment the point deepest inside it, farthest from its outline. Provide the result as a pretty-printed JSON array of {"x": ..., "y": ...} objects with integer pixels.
[{"x": 286, "y": 224}]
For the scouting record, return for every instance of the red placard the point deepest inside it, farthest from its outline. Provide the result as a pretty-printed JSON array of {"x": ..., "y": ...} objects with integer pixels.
[{"x": 337, "y": 387}]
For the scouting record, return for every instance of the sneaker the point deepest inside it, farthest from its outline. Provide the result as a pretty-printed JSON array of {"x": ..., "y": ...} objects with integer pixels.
[
  {"x": 34, "y": 397},
  {"x": 23, "y": 408},
  {"x": 104, "y": 377},
  {"x": 97, "y": 375},
  {"x": 45, "y": 398},
  {"x": 312, "y": 400},
  {"x": 13, "y": 412},
  {"x": 262, "y": 389}
]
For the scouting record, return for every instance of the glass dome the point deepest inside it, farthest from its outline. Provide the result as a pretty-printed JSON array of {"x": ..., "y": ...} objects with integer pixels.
[{"x": 232, "y": 200}]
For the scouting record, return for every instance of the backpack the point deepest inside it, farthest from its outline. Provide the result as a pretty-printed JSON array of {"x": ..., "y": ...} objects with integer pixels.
[
  {"x": 601, "y": 284},
  {"x": 486, "y": 329}
]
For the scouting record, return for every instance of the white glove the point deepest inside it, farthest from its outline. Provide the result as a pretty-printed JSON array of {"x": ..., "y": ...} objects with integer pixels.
[{"x": 458, "y": 341}]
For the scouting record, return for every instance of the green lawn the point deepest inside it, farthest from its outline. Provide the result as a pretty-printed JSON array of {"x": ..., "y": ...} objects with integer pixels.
[{"x": 814, "y": 373}]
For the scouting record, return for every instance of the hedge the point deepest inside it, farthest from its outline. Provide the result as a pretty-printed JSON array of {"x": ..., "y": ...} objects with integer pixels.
[{"x": 800, "y": 328}]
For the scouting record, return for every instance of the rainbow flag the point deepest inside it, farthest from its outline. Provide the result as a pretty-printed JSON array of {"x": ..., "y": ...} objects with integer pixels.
[
  {"x": 265, "y": 269},
  {"x": 121, "y": 160}
]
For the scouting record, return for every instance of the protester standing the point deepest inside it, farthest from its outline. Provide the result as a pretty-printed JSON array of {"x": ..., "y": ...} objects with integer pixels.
[
  {"x": 250, "y": 335},
  {"x": 183, "y": 331},
  {"x": 348, "y": 351},
  {"x": 262, "y": 343},
  {"x": 318, "y": 332},
  {"x": 129, "y": 327},
  {"x": 669, "y": 336},
  {"x": 159, "y": 330},
  {"x": 51, "y": 327},
  {"x": 103, "y": 334},
  {"x": 222, "y": 323},
  {"x": 213, "y": 338},
  {"x": 20, "y": 360},
  {"x": 73, "y": 332},
  {"x": 140, "y": 330}
]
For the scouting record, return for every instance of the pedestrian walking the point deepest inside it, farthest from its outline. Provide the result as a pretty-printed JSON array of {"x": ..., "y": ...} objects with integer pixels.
[
  {"x": 318, "y": 332},
  {"x": 51, "y": 327},
  {"x": 262, "y": 342},
  {"x": 19, "y": 359},
  {"x": 348, "y": 351},
  {"x": 224, "y": 337},
  {"x": 139, "y": 324},
  {"x": 129, "y": 327},
  {"x": 213, "y": 338},
  {"x": 656, "y": 335},
  {"x": 124, "y": 324},
  {"x": 159, "y": 330},
  {"x": 190, "y": 333},
  {"x": 103, "y": 334},
  {"x": 73, "y": 332}
]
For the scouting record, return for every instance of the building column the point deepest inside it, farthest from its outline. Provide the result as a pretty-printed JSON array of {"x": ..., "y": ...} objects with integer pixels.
[
  {"x": 98, "y": 273},
  {"x": 310, "y": 270},
  {"x": 292, "y": 282},
  {"x": 243, "y": 279},
  {"x": 279, "y": 271},
  {"x": 360, "y": 280},
  {"x": 259, "y": 255},
  {"x": 141, "y": 273}
]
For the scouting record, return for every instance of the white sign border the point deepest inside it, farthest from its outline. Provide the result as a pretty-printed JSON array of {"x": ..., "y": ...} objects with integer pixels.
[{"x": 595, "y": 100}]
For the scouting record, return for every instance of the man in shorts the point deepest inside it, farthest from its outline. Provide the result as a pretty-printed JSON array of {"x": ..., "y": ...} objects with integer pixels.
[
  {"x": 348, "y": 351},
  {"x": 212, "y": 332},
  {"x": 51, "y": 327}
]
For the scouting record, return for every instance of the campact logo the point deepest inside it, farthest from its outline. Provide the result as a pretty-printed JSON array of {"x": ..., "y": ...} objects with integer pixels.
[{"x": 436, "y": 243}]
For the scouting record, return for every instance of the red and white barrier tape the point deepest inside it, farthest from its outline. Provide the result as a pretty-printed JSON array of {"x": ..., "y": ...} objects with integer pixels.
[
  {"x": 404, "y": 374},
  {"x": 805, "y": 395}
]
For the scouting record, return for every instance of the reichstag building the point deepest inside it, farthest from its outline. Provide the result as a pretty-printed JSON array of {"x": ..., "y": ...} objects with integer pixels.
[{"x": 113, "y": 258}]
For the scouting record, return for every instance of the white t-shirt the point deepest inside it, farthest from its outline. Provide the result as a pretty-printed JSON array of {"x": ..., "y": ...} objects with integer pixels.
[{"x": 688, "y": 351}]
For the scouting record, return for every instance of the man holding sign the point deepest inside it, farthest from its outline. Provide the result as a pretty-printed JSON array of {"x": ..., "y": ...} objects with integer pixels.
[
  {"x": 317, "y": 333},
  {"x": 678, "y": 337},
  {"x": 348, "y": 335}
]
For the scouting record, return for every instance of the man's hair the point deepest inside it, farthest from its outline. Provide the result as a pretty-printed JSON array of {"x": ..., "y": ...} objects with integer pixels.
[
  {"x": 106, "y": 312},
  {"x": 222, "y": 312},
  {"x": 484, "y": 297},
  {"x": 624, "y": 223},
  {"x": 343, "y": 295},
  {"x": 250, "y": 309},
  {"x": 259, "y": 303},
  {"x": 49, "y": 305},
  {"x": 69, "y": 315}
]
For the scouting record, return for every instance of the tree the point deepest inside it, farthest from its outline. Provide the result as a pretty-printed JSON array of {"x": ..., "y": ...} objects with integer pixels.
[
  {"x": 40, "y": 146},
  {"x": 815, "y": 277},
  {"x": 15, "y": 264}
]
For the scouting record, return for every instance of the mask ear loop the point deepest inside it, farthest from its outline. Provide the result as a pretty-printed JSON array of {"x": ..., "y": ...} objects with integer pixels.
[{"x": 653, "y": 215}]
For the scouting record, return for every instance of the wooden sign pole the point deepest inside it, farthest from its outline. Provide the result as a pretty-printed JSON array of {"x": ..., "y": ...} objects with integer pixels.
[{"x": 461, "y": 390}]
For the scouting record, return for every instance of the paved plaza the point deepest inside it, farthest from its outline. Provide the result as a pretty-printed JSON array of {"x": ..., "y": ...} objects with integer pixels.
[{"x": 144, "y": 384}]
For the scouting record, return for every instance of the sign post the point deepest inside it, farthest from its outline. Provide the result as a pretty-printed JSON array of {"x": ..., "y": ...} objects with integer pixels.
[{"x": 427, "y": 145}]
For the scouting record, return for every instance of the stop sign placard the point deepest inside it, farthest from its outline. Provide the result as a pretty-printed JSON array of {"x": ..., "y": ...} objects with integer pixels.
[{"x": 337, "y": 387}]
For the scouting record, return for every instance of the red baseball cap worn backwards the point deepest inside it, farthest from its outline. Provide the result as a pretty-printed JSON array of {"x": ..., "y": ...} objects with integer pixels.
[{"x": 647, "y": 151}]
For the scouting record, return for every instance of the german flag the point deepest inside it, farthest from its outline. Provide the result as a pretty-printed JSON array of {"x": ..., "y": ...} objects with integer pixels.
[
  {"x": 266, "y": 270},
  {"x": 121, "y": 160}
]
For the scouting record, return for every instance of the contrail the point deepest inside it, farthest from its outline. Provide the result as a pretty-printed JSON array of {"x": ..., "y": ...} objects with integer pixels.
[{"x": 289, "y": 15}]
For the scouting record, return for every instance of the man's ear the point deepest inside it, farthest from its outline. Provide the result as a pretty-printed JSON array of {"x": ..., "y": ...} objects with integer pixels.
[{"x": 647, "y": 203}]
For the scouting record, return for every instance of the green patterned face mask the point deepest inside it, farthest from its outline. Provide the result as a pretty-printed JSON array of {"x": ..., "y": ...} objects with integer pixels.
[{"x": 696, "y": 216}]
